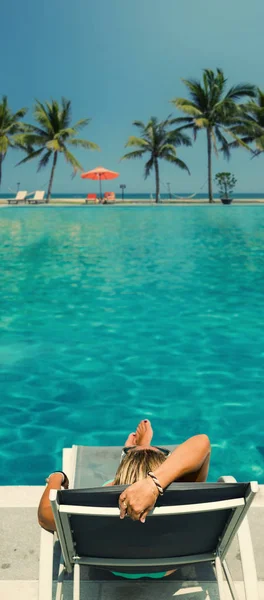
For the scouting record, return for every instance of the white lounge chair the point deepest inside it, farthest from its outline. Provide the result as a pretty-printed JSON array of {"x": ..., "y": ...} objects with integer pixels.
[
  {"x": 20, "y": 197},
  {"x": 192, "y": 523},
  {"x": 38, "y": 198}
]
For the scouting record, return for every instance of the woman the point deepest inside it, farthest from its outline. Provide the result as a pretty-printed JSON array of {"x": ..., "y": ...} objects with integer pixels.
[{"x": 147, "y": 469}]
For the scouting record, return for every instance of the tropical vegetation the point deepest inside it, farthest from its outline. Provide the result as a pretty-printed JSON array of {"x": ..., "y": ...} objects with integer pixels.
[
  {"x": 214, "y": 109},
  {"x": 52, "y": 135},
  {"x": 231, "y": 117},
  {"x": 10, "y": 127},
  {"x": 226, "y": 183},
  {"x": 250, "y": 128},
  {"x": 159, "y": 141}
]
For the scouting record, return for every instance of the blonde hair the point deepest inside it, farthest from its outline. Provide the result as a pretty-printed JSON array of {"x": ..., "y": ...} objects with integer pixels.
[{"x": 136, "y": 465}]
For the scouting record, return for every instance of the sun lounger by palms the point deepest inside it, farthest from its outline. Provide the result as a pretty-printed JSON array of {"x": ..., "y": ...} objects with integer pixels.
[
  {"x": 191, "y": 523},
  {"x": 109, "y": 197},
  {"x": 20, "y": 197},
  {"x": 91, "y": 198},
  {"x": 38, "y": 198}
]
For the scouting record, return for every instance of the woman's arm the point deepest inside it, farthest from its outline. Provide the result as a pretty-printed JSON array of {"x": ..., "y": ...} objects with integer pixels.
[
  {"x": 45, "y": 514},
  {"x": 188, "y": 459},
  {"x": 188, "y": 462}
]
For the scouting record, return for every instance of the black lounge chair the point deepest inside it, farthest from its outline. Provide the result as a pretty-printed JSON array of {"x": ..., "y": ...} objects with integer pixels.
[{"x": 191, "y": 523}]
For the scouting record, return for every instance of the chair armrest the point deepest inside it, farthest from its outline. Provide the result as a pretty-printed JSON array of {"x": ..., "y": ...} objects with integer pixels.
[
  {"x": 226, "y": 479},
  {"x": 46, "y": 565},
  {"x": 246, "y": 552}
]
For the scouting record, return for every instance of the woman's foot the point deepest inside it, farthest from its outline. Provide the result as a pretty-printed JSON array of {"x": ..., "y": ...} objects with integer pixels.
[
  {"x": 131, "y": 440},
  {"x": 142, "y": 436}
]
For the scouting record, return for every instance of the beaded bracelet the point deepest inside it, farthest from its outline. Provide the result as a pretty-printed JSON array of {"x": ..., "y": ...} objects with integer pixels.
[
  {"x": 62, "y": 472},
  {"x": 157, "y": 483}
]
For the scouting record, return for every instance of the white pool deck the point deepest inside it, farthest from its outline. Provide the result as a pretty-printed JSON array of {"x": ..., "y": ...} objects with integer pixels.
[
  {"x": 19, "y": 557},
  {"x": 132, "y": 202}
]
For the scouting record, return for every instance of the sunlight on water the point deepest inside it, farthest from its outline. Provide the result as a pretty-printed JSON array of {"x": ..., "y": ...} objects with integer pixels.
[{"x": 112, "y": 314}]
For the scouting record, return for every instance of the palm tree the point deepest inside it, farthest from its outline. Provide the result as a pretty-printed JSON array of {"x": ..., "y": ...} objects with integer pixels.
[
  {"x": 10, "y": 126},
  {"x": 250, "y": 128},
  {"x": 160, "y": 142},
  {"x": 52, "y": 135},
  {"x": 213, "y": 109}
]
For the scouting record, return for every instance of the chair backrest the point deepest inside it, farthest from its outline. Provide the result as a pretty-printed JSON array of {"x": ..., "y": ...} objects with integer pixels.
[
  {"x": 189, "y": 520},
  {"x": 91, "y": 196},
  {"x": 21, "y": 195},
  {"x": 109, "y": 195},
  {"x": 39, "y": 195}
]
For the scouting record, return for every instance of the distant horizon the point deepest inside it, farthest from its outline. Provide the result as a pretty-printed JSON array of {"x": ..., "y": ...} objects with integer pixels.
[{"x": 118, "y": 62}]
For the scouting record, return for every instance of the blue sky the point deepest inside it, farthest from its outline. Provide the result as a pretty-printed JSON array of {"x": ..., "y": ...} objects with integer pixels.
[{"x": 119, "y": 61}]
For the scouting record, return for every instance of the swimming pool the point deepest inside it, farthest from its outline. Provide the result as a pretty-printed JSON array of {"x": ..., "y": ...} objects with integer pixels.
[{"x": 113, "y": 314}]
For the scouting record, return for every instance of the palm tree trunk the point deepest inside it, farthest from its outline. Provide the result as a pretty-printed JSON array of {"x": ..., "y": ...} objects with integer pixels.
[
  {"x": 156, "y": 165},
  {"x": 209, "y": 155},
  {"x": 52, "y": 175}
]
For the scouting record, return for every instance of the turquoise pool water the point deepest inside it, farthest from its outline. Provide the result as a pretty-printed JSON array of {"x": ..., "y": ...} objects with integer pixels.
[{"x": 113, "y": 314}]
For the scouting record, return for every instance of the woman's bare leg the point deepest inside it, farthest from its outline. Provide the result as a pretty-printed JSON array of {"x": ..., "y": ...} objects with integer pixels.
[{"x": 142, "y": 436}]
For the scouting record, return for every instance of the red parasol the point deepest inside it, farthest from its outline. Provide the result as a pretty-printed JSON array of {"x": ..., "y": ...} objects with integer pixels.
[{"x": 100, "y": 173}]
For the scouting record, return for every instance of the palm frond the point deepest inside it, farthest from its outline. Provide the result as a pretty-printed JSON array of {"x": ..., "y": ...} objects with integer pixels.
[
  {"x": 133, "y": 154},
  {"x": 187, "y": 106},
  {"x": 72, "y": 160},
  {"x": 31, "y": 139},
  {"x": 81, "y": 124},
  {"x": 42, "y": 117},
  {"x": 20, "y": 113},
  {"x": 177, "y": 162},
  {"x": 225, "y": 146},
  {"x": 137, "y": 141},
  {"x": 44, "y": 160},
  {"x": 163, "y": 125},
  {"x": 239, "y": 140},
  {"x": 260, "y": 143},
  {"x": 139, "y": 124},
  {"x": 181, "y": 120},
  {"x": 148, "y": 167},
  {"x": 64, "y": 113},
  {"x": 64, "y": 133},
  {"x": 241, "y": 90},
  {"x": 197, "y": 93},
  {"x": 83, "y": 144},
  {"x": 178, "y": 138},
  {"x": 167, "y": 148},
  {"x": 28, "y": 128},
  {"x": 30, "y": 156}
]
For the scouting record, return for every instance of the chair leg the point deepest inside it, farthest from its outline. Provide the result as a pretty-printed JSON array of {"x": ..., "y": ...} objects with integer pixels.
[
  {"x": 60, "y": 580},
  {"x": 230, "y": 582},
  {"x": 220, "y": 578},
  {"x": 248, "y": 561},
  {"x": 76, "y": 582}
]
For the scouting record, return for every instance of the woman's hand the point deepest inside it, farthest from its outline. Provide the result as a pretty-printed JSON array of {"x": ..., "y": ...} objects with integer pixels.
[
  {"x": 138, "y": 499},
  {"x": 58, "y": 479}
]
